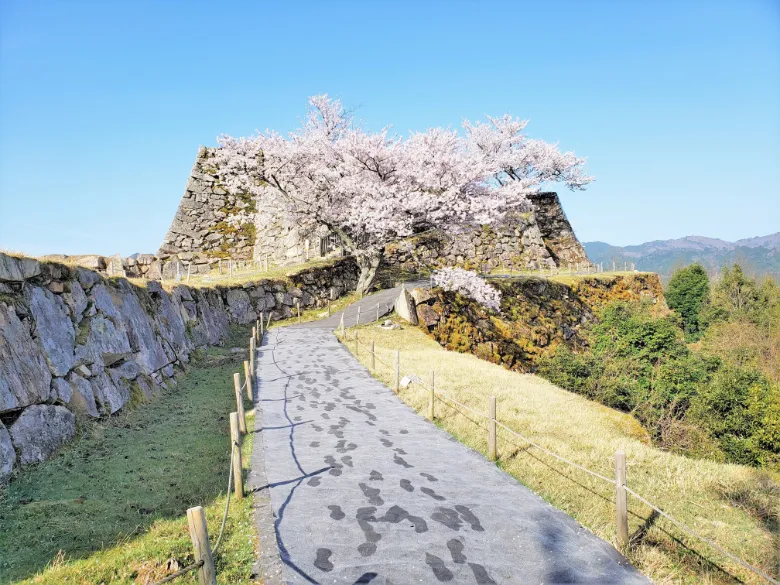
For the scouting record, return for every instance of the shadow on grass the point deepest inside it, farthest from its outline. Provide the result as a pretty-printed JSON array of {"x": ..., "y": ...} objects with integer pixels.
[{"x": 121, "y": 476}]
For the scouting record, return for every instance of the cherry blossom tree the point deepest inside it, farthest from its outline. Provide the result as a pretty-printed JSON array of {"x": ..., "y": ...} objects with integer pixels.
[{"x": 373, "y": 188}]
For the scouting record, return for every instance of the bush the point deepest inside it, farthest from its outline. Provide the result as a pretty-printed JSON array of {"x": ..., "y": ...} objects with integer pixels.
[{"x": 688, "y": 290}]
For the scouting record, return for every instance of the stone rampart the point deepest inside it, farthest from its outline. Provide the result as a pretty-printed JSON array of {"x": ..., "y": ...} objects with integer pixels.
[{"x": 74, "y": 342}]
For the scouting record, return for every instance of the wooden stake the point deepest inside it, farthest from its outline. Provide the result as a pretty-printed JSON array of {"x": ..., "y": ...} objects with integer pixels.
[
  {"x": 377, "y": 311},
  {"x": 298, "y": 305},
  {"x": 328, "y": 307},
  {"x": 239, "y": 402},
  {"x": 431, "y": 397},
  {"x": 252, "y": 352},
  {"x": 342, "y": 325},
  {"x": 200, "y": 542},
  {"x": 357, "y": 322},
  {"x": 268, "y": 324},
  {"x": 373, "y": 356},
  {"x": 238, "y": 472},
  {"x": 248, "y": 376},
  {"x": 262, "y": 318},
  {"x": 254, "y": 333},
  {"x": 621, "y": 504},
  {"x": 397, "y": 371},
  {"x": 492, "y": 451},
  {"x": 189, "y": 266}
]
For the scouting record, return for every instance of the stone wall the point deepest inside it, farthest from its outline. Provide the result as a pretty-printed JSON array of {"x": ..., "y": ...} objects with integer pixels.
[
  {"x": 210, "y": 223},
  {"x": 74, "y": 342},
  {"x": 541, "y": 238},
  {"x": 537, "y": 315}
]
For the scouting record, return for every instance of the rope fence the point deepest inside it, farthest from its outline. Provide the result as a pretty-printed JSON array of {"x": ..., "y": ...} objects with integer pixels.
[
  {"x": 619, "y": 481},
  {"x": 204, "y": 552}
]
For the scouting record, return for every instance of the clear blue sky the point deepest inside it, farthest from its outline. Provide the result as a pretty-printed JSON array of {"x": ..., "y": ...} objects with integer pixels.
[{"x": 103, "y": 104}]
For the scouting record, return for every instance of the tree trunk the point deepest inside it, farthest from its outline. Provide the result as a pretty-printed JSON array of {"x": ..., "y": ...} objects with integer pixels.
[{"x": 368, "y": 262}]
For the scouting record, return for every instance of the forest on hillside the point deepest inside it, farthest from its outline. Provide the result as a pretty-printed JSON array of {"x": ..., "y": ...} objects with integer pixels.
[{"x": 703, "y": 378}]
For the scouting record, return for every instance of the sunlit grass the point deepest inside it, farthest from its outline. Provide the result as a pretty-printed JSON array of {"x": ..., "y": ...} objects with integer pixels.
[
  {"x": 737, "y": 506},
  {"x": 111, "y": 507}
]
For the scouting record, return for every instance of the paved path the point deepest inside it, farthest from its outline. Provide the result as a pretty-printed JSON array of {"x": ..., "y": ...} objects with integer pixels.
[{"x": 355, "y": 487}]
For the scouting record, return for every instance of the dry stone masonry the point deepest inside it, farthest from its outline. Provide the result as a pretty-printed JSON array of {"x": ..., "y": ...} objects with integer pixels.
[
  {"x": 74, "y": 342},
  {"x": 212, "y": 223}
]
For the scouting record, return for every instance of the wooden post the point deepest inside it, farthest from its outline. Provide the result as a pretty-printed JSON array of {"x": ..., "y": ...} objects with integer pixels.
[
  {"x": 621, "y": 505},
  {"x": 238, "y": 472},
  {"x": 397, "y": 371},
  {"x": 357, "y": 345},
  {"x": 431, "y": 396},
  {"x": 377, "y": 312},
  {"x": 189, "y": 266},
  {"x": 262, "y": 318},
  {"x": 200, "y": 542},
  {"x": 251, "y": 358},
  {"x": 298, "y": 306},
  {"x": 328, "y": 307},
  {"x": 357, "y": 321},
  {"x": 220, "y": 265},
  {"x": 268, "y": 323},
  {"x": 239, "y": 403},
  {"x": 342, "y": 325},
  {"x": 373, "y": 356},
  {"x": 254, "y": 333},
  {"x": 248, "y": 376},
  {"x": 492, "y": 451}
]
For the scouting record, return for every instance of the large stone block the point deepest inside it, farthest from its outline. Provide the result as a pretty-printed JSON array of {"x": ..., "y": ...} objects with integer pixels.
[
  {"x": 405, "y": 307},
  {"x": 24, "y": 376},
  {"x": 54, "y": 329},
  {"x": 13, "y": 269},
  {"x": 40, "y": 430},
  {"x": 7, "y": 455}
]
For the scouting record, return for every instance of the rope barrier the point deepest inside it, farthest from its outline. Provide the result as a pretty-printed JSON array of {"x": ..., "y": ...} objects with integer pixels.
[
  {"x": 179, "y": 573},
  {"x": 578, "y": 466},
  {"x": 214, "y": 550},
  {"x": 471, "y": 410},
  {"x": 609, "y": 480},
  {"x": 695, "y": 534},
  {"x": 227, "y": 503}
]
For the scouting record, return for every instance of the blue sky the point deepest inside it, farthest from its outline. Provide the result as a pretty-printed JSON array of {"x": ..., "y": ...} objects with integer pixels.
[{"x": 103, "y": 104}]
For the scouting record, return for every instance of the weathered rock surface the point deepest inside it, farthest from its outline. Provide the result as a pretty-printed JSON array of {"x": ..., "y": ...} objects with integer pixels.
[
  {"x": 54, "y": 329},
  {"x": 24, "y": 375},
  {"x": 73, "y": 341},
  {"x": 405, "y": 307},
  {"x": 40, "y": 430},
  {"x": 7, "y": 455},
  {"x": 13, "y": 269}
]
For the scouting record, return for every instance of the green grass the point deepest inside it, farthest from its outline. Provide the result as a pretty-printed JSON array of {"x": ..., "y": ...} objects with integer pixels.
[
  {"x": 111, "y": 507},
  {"x": 734, "y": 505}
]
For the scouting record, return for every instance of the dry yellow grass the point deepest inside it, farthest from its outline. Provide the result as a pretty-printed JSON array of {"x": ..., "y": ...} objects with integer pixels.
[
  {"x": 734, "y": 505},
  {"x": 251, "y": 273}
]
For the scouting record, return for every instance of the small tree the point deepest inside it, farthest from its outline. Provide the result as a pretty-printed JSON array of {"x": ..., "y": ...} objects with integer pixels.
[
  {"x": 688, "y": 290},
  {"x": 371, "y": 189}
]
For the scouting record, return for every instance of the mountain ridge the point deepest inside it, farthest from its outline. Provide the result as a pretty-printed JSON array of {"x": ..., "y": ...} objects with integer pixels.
[{"x": 758, "y": 255}]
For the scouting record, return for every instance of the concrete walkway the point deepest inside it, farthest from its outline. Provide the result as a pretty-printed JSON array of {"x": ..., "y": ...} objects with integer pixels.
[{"x": 354, "y": 487}]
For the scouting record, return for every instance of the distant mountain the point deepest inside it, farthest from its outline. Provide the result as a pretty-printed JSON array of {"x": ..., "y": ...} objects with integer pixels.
[{"x": 758, "y": 256}]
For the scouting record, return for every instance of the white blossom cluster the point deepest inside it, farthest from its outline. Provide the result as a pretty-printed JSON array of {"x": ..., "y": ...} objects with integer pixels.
[{"x": 468, "y": 284}]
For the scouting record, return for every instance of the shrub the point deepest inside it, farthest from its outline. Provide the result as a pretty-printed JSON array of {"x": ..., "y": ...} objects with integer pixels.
[{"x": 688, "y": 290}]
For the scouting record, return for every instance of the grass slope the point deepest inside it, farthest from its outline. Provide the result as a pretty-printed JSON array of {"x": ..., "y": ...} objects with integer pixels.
[
  {"x": 737, "y": 506},
  {"x": 111, "y": 507}
]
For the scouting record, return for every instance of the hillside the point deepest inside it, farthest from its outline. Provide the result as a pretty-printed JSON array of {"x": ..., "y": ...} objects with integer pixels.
[{"x": 759, "y": 256}]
